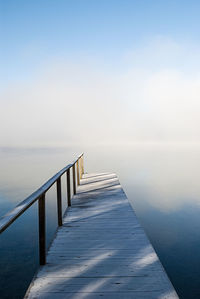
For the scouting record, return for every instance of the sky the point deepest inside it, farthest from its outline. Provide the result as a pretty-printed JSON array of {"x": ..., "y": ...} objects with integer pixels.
[{"x": 107, "y": 72}]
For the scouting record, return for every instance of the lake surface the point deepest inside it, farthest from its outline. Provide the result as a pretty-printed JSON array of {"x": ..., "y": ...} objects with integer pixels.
[{"x": 161, "y": 182}]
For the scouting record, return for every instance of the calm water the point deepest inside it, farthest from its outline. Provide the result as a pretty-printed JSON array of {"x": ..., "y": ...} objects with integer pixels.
[{"x": 161, "y": 182}]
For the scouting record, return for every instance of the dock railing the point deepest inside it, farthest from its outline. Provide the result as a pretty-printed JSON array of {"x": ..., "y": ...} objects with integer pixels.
[{"x": 77, "y": 167}]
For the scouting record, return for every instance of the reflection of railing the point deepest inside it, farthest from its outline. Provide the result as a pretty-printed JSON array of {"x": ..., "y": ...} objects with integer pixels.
[{"x": 39, "y": 195}]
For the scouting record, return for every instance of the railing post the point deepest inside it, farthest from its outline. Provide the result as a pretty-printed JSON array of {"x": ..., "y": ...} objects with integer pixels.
[
  {"x": 77, "y": 172},
  {"x": 42, "y": 229},
  {"x": 80, "y": 168},
  {"x": 82, "y": 164},
  {"x": 74, "y": 179},
  {"x": 59, "y": 202},
  {"x": 68, "y": 188}
]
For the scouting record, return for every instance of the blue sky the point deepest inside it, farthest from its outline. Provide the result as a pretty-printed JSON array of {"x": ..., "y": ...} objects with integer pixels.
[
  {"x": 140, "y": 57},
  {"x": 34, "y": 31}
]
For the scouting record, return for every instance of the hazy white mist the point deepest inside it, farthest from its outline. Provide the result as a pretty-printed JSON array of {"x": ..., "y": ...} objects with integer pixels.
[{"x": 150, "y": 95}]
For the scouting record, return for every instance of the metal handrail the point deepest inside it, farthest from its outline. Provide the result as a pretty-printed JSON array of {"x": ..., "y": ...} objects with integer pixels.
[{"x": 39, "y": 195}]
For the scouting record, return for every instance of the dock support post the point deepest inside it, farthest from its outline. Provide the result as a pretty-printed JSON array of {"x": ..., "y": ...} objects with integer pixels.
[
  {"x": 59, "y": 202},
  {"x": 42, "y": 230},
  {"x": 68, "y": 188}
]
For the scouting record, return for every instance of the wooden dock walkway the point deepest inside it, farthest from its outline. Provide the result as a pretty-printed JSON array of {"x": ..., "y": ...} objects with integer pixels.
[{"x": 101, "y": 251}]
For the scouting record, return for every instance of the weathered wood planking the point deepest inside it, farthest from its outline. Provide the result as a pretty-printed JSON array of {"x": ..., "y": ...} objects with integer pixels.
[{"x": 101, "y": 250}]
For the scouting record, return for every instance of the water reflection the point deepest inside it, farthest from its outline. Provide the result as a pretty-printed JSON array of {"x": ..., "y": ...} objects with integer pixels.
[{"x": 162, "y": 184}]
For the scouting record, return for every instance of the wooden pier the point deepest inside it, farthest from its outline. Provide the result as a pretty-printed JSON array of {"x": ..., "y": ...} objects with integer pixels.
[{"x": 101, "y": 251}]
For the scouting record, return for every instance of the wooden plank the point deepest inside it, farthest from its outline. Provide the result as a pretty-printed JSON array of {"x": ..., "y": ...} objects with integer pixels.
[{"x": 101, "y": 250}]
